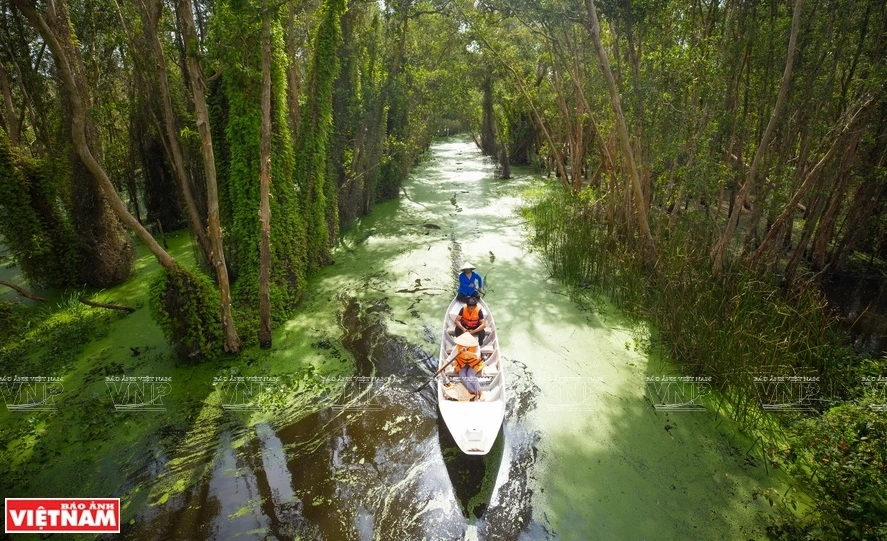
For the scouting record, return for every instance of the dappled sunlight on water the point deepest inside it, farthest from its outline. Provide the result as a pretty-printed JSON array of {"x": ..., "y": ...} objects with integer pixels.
[{"x": 582, "y": 454}]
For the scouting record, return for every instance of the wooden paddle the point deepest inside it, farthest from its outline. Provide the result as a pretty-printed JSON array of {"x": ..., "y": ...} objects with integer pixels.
[
  {"x": 442, "y": 368},
  {"x": 483, "y": 290}
]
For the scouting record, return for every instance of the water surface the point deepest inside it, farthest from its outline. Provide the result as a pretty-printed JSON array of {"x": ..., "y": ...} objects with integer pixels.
[{"x": 582, "y": 454}]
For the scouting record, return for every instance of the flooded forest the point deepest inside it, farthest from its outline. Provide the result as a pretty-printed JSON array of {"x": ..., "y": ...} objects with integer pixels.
[{"x": 232, "y": 235}]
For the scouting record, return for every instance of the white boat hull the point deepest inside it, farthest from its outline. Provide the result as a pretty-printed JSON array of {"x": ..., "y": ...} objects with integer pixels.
[{"x": 473, "y": 425}]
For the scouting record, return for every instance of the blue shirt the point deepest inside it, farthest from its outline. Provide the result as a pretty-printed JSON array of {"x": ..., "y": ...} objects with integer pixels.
[{"x": 465, "y": 285}]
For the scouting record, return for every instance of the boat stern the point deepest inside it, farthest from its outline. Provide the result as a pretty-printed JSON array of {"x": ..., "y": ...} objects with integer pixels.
[
  {"x": 473, "y": 426},
  {"x": 477, "y": 441}
]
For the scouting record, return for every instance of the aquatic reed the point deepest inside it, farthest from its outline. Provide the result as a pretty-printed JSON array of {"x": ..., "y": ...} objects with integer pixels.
[{"x": 734, "y": 327}]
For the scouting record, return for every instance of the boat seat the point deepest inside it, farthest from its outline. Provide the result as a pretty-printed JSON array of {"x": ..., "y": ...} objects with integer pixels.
[
  {"x": 485, "y": 350},
  {"x": 451, "y": 331},
  {"x": 483, "y": 380}
]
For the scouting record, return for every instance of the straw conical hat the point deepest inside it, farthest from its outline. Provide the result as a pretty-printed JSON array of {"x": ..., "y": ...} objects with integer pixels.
[
  {"x": 467, "y": 266},
  {"x": 466, "y": 339}
]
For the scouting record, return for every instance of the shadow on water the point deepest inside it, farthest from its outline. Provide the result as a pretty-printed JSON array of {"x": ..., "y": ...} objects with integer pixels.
[
  {"x": 375, "y": 464},
  {"x": 491, "y": 492},
  {"x": 394, "y": 467},
  {"x": 473, "y": 477},
  {"x": 372, "y": 461},
  {"x": 377, "y": 353}
]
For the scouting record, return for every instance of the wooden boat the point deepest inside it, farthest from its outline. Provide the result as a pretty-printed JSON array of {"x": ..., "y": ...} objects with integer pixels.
[{"x": 474, "y": 425}]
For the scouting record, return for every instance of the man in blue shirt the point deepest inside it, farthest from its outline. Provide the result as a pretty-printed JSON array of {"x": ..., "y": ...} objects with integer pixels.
[{"x": 470, "y": 283}]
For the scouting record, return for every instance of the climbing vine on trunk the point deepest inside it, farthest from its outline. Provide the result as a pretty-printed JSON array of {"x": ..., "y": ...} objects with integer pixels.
[
  {"x": 239, "y": 25},
  {"x": 37, "y": 232},
  {"x": 320, "y": 204}
]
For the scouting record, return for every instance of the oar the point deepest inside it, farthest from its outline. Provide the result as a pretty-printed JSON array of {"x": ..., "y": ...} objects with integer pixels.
[
  {"x": 483, "y": 290},
  {"x": 435, "y": 375}
]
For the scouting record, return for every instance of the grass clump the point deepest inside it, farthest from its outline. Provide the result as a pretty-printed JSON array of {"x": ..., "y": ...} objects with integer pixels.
[{"x": 45, "y": 340}]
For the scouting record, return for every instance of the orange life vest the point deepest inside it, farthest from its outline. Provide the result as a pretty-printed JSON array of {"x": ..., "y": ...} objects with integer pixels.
[
  {"x": 470, "y": 318},
  {"x": 467, "y": 355}
]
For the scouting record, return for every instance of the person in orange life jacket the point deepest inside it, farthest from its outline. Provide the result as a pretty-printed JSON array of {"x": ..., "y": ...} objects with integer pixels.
[
  {"x": 470, "y": 283},
  {"x": 468, "y": 363},
  {"x": 470, "y": 319}
]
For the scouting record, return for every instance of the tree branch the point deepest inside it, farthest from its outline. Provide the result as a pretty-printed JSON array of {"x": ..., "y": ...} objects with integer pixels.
[
  {"x": 22, "y": 291},
  {"x": 109, "y": 306}
]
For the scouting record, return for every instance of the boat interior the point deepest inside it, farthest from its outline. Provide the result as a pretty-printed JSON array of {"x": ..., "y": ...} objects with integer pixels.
[{"x": 490, "y": 378}]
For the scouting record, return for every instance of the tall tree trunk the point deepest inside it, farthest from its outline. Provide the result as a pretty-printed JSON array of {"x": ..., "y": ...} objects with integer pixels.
[
  {"x": 810, "y": 178},
  {"x": 537, "y": 117},
  {"x": 504, "y": 162},
  {"x": 70, "y": 69},
  {"x": 320, "y": 194},
  {"x": 161, "y": 194},
  {"x": 827, "y": 223},
  {"x": 487, "y": 130},
  {"x": 265, "y": 188},
  {"x": 574, "y": 119},
  {"x": 720, "y": 248},
  {"x": 865, "y": 200},
  {"x": 31, "y": 82},
  {"x": 201, "y": 111},
  {"x": 106, "y": 250},
  {"x": 292, "y": 71},
  {"x": 130, "y": 181},
  {"x": 814, "y": 212},
  {"x": 12, "y": 123},
  {"x": 151, "y": 11},
  {"x": 649, "y": 246}
]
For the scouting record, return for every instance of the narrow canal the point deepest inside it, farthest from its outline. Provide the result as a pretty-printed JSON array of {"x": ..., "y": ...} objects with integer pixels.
[{"x": 582, "y": 455}]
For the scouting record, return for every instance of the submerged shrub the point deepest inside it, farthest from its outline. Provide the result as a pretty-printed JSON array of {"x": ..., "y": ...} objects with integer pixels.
[
  {"x": 186, "y": 306},
  {"x": 33, "y": 222}
]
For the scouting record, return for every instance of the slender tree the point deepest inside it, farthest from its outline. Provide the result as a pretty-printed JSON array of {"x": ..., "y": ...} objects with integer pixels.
[
  {"x": 719, "y": 250},
  {"x": 237, "y": 31},
  {"x": 848, "y": 123},
  {"x": 151, "y": 12},
  {"x": 106, "y": 251},
  {"x": 184, "y": 311},
  {"x": 58, "y": 36},
  {"x": 265, "y": 187},
  {"x": 594, "y": 28},
  {"x": 9, "y": 117},
  {"x": 312, "y": 173},
  {"x": 214, "y": 229}
]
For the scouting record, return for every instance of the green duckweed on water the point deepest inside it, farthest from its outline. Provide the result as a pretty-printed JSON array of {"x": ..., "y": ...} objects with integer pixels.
[
  {"x": 583, "y": 454},
  {"x": 86, "y": 446}
]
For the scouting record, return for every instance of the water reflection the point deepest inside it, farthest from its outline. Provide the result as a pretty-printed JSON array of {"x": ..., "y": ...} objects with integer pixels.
[
  {"x": 473, "y": 477},
  {"x": 373, "y": 462}
]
